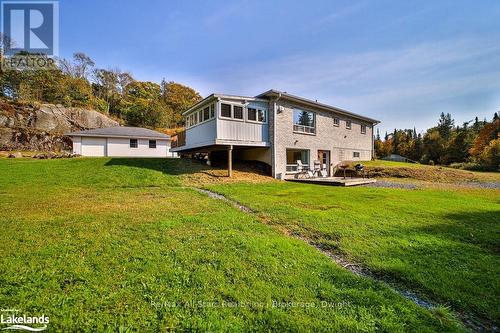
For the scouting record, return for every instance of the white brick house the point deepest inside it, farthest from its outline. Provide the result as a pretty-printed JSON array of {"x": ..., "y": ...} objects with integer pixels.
[{"x": 278, "y": 129}]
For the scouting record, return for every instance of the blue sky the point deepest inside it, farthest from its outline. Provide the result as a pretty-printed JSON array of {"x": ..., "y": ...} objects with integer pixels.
[{"x": 402, "y": 62}]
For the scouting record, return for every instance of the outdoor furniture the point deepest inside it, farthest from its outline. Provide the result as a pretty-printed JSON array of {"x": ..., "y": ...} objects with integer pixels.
[
  {"x": 343, "y": 166},
  {"x": 303, "y": 171},
  {"x": 360, "y": 169},
  {"x": 317, "y": 168}
]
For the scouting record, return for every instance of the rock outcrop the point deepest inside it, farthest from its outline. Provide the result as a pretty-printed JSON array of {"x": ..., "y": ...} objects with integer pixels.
[{"x": 26, "y": 127}]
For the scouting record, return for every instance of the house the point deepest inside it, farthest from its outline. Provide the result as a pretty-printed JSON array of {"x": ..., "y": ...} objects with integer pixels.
[
  {"x": 278, "y": 129},
  {"x": 121, "y": 141}
]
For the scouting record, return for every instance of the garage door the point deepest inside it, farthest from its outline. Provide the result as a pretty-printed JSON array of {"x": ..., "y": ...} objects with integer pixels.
[{"x": 93, "y": 146}]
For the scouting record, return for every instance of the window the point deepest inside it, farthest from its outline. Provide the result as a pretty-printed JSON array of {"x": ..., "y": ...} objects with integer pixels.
[
  {"x": 363, "y": 129},
  {"x": 304, "y": 121},
  {"x": 252, "y": 114},
  {"x": 355, "y": 154},
  {"x": 212, "y": 111},
  {"x": 206, "y": 113},
  {"x": 237, "y": 112},
  {"x": 225, "y": 110},
  {"x": 348, "y": 124},
  {"x": 261, "y": 115},
  {"x": 152, "y": 143},
  {"x": 336, "y": 122},
  {"x": 294, "y": 155},
  {"x": 256, "y": 115},
  {"x": 133, "y": 143}
]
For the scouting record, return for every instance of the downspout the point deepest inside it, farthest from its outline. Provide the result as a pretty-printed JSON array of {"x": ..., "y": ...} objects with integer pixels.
[
  {"x": 274, "y": 134},
  {"x": 373, "y": 141}
]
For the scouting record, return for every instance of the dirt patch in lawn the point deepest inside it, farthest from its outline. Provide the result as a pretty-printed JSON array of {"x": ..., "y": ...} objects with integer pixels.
[{"x": 242, "y": 172}]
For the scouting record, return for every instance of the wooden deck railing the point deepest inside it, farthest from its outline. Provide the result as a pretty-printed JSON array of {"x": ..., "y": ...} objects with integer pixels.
[{"x": 179, "y": 140}]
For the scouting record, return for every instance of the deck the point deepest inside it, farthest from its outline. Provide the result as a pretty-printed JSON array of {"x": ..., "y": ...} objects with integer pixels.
[{"x": 334, "y": 181}]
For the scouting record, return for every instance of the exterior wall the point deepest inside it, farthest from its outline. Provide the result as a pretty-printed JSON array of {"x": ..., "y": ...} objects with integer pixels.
[
  {"x": 340, "y": 141},
  {"x": 77, "y": 145},
  {"x": 95, "y": 147},
  {"x": 256, "y": 154},
  {"x": 202, "y": 134},
  {"x": 120, "y": 147},
  {"x": 243, "y": 131}
]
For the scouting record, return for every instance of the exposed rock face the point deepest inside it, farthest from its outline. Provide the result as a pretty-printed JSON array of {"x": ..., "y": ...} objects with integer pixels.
[{"x": 24, "y": 127}]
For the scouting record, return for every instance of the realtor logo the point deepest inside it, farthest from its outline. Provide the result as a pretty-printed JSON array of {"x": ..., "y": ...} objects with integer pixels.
[{"x": 30, "y": 26}]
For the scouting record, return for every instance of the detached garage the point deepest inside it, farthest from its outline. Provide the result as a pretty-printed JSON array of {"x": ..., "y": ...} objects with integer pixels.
[{"x": 121, "y": 142}]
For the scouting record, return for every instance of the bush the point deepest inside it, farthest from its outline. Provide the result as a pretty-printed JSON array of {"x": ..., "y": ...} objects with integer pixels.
[{"x": 471, "y": 166}]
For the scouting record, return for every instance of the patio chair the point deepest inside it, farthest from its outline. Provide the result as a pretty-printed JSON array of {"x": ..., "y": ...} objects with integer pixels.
[
  {"x": 317, "y": 168},
  {"x": 302, "y": 170}
]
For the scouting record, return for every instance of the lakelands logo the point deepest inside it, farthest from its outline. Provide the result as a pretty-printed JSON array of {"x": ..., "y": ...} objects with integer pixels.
[{"x": 22, "y": 322}]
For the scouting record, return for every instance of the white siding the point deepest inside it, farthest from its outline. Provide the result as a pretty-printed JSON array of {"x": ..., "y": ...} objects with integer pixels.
[
  {"x": 93, "y": 146},
  {"x": 120, "y": 147},
  {"x": 242, "y": 131},
  {"x": 201, "y": 134},
  {"x": 77, "y": 145}
]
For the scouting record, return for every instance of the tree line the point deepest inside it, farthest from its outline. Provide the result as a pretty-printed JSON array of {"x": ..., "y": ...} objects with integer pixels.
[
  {"x": 474, "y": 145},
  {"x": 77, "y": 82}
]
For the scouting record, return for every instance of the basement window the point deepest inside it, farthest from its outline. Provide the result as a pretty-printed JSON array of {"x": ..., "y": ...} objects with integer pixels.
[
  {"x": 355, "y": 154},
  {"x": 152, "y": 144},
  {"x": 133, "y": 143}
]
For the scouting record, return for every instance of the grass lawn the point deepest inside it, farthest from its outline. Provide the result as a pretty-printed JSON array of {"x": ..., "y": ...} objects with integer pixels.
[
  {"x": 422, "y": 172},
  {"x": 442, "y": 243},
  {"x": 123, "y": 245}
]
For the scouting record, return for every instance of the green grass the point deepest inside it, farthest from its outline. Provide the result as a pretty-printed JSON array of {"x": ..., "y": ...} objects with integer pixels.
[
  {"x": 442, "y": 243},
  {"x": 121, "y": 245},
  {"x": 392, "y": 164}
]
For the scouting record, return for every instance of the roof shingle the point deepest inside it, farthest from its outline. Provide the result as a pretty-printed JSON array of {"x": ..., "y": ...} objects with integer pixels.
[{"x": 121, "y": 131}]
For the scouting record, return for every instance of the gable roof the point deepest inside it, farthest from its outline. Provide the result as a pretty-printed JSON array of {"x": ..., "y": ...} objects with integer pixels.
[
  {"x": 121, "y": 132},
  {"x": 302, "y": 100},
  {"x": 210, "y": 97}
]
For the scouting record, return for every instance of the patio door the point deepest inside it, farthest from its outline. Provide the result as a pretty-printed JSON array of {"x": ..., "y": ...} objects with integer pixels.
[{"x": 324, "y": 158}]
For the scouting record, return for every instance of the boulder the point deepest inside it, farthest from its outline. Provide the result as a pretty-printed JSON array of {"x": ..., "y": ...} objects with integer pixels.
[
  {"x": 26, "y": 127},
  {"x": 40, "y": 156},
  {"x": 15, "y": 155},
  {"x": 54, "y": 118}
]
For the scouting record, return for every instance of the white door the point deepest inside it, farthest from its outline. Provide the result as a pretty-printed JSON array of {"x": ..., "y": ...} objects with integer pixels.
[{"x": 93, "y": 146}]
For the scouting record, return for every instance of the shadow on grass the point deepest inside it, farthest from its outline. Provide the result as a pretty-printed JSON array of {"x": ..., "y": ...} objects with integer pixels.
[
  {"x": 169, "y": 166},
  {"x": 478, "y": 228}
]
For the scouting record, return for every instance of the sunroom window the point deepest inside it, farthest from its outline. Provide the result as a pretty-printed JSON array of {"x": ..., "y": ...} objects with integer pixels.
[
  {"x": 225, "y": 110},
  {"x": 237, "y": 112},
  {"x": 206, "y": 113}
]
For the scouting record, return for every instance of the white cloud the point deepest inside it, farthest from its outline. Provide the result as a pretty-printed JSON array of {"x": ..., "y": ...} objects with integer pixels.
[{"x": 380, "y": 83}]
